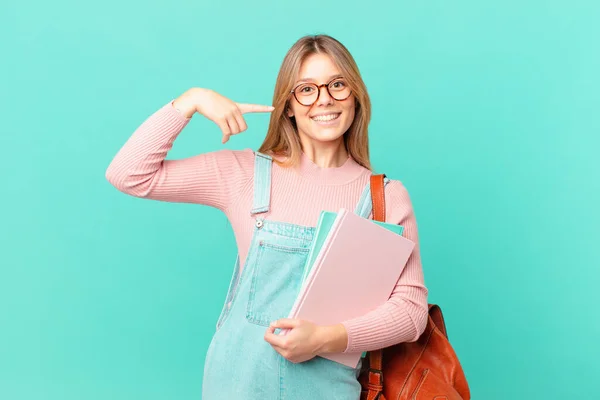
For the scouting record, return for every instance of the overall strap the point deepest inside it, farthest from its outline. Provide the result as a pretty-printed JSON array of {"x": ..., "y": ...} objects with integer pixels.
[
  {"x": 365, "y": 205},
  {"x": 262, "y": 183}
]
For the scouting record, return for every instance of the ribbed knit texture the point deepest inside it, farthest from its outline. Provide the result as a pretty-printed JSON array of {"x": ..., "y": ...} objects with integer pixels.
[{"x": 223, "y": 179}]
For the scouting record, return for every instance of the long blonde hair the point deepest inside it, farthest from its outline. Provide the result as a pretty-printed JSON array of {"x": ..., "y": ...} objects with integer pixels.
[{"x": 282, "y": 137}]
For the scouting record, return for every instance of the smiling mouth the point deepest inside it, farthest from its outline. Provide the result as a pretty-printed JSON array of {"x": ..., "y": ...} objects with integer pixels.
[{"x": 326, "y": 118}]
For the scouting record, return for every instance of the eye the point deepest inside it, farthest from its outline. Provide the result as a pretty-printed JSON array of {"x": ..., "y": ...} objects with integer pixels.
[
  {"x": 306, "y": 89},
  {"x": 339, "y": 84}
]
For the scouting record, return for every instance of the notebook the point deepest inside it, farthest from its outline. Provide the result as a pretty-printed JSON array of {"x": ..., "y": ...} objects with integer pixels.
[
  {"x": 374, "y": 256},
  {"x": 324, "y": 223}
]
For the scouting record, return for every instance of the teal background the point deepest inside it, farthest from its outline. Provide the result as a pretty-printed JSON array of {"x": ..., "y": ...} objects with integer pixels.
[{"x": 487, "y": 111}]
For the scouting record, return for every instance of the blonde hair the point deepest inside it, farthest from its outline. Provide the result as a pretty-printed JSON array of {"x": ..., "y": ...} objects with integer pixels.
[{"x": 282, "y": 137}]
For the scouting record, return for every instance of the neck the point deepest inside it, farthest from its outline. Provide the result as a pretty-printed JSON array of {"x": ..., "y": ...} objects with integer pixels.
[{"x": 326, "y": 155}]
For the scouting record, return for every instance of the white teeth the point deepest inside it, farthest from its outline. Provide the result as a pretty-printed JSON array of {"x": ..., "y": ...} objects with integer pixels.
[{"x": 324, "y": 118}]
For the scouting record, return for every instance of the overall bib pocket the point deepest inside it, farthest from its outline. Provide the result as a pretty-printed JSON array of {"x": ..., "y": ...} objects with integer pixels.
[{"x": 275, "y": 282}]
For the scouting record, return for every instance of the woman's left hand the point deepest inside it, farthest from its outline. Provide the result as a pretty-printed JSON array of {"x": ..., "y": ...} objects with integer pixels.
[{"x": 303, "y": 342}]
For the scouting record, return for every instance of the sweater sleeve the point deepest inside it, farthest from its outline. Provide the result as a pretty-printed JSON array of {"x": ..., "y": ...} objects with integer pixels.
[
  {"x": 140, "y": 167},
  {"x": 403, "y": 317}
]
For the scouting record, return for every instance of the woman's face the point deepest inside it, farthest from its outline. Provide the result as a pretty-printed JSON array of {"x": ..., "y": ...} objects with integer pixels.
[{"x": 327, "y": 119}]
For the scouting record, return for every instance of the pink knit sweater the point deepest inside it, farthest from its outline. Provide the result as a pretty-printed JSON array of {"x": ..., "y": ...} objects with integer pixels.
[{"x": 223, "y": 179}]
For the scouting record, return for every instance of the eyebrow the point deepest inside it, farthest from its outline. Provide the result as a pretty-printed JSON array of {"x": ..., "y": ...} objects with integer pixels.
[{"x": 314, "y": 80}]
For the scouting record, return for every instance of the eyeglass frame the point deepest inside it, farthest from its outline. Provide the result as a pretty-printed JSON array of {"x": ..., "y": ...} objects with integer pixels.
[{"x": 293, "y": 91}]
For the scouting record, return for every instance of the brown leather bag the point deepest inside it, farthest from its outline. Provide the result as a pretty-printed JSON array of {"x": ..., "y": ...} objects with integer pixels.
[{"x": 427, "y": 369}]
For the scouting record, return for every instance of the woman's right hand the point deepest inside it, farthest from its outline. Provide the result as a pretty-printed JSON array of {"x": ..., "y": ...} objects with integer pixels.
[{"x": 227, "y": 114}]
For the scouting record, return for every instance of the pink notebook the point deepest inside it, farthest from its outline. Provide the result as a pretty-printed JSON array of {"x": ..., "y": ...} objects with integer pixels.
[{"x": 354, "y": 273}]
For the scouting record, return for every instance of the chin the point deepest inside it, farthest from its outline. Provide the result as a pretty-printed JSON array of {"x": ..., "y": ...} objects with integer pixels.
[{"x": 325, "y": 134}]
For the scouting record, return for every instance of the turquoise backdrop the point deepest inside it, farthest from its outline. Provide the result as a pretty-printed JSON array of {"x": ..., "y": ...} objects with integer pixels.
[{"x": 487, "y": 111}]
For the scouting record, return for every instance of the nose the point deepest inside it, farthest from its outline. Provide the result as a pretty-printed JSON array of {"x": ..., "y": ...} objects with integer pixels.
[{"x": 324, "y": 97}]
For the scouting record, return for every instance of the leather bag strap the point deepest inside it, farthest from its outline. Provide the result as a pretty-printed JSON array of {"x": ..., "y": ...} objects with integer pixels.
[
  {"x": 378, "y": 197},
  {"x": 376, "y": 356},
  {"x": 435, "y": 313},
  {"x": 375, "y": 383}
]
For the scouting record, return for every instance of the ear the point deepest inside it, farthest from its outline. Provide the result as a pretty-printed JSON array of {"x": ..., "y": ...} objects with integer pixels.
[{"x": 290, "y": 112}]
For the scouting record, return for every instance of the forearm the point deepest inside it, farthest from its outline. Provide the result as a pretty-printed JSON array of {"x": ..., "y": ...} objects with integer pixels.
[
  {"x": 396, "y": 321},
  {"x": 186, "y": 103},
  {"x": 332, "y": 339}
]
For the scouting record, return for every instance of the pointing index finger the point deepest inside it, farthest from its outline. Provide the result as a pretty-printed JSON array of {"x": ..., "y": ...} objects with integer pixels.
[{"x": 254, "y": 108}]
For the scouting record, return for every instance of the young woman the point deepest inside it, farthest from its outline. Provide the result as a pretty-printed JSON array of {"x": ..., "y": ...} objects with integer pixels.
[{"x": 315, "y": 157}]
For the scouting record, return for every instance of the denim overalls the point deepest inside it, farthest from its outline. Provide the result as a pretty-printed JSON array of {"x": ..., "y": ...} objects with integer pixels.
[{"x": 239, "y": 363}]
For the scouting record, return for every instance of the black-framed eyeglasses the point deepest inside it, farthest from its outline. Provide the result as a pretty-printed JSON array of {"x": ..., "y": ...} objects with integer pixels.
[{"x": 308, "y": 93}]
